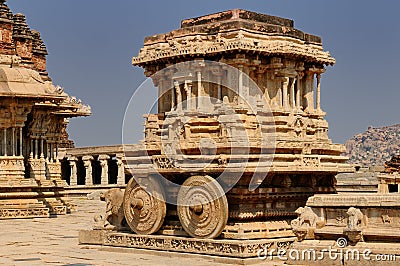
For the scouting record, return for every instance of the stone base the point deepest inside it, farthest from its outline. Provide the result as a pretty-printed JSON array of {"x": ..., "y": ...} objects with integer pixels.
[
  {"x": 11, "y": 209},
  {"x": 29, "y": 198},
  {"x": 216, "y": 247},
  {"x": 327, "y": 252}
]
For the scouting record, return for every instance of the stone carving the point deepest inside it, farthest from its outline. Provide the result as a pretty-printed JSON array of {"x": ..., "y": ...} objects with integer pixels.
[
  {"x": 355, "y": 218},
  {"x": 238, "y": 249},
  {"x": 164, "y": 162},
  {"x": 144, "y": 212},
  {"x": 114, "y": 216},
  {"x": 205, "y": 130},
  {"x": 306, "y": 223},
  {"x": 353, "y": 231}
]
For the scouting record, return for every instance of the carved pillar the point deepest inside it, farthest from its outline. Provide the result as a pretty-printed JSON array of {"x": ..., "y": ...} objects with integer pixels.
[
  {"x": 49, "y": 150},
  {"x": 13, "y": 141},
  {"x": 173, "y": 100},
  {"x": 41, "y": 148},
  {"x": 5, "y": 141},
  {"x": 73, "y": 181},
  {"x": 31, "y": 144},
  {"x": 319, "y": 91},
  {"x": 178, "y": 95},
  {"x": 298, "y": 93},
  {"x": 285, "y": 86},
  {"x": 188, "y": 89},
  {"x": 20, "y": 141},
  {"x": 240, "y": 89},
  {"x": 309, "y": 91},
  {"x": 87, "y": 162},
  {"x": 104, "y": 168},
  {"x": 292, "y": 93},
  {"x": 199, "y": 89},
  {"x": 36, "y": 149},
  {"x": 121, "y": 172}
]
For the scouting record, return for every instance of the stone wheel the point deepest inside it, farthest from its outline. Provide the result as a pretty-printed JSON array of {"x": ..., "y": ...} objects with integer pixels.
[
  {"x": 202, "y": 207},
  {"x": 144, "y": 206}
]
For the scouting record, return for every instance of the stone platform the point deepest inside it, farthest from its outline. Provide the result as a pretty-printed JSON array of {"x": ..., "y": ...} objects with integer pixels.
[
  {"x": 317, "y": 253},
  {"x": 240, "y": 249}
]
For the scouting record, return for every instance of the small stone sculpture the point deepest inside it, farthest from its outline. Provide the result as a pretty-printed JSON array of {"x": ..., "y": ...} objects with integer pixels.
[
  {"x": 114, "y": 217},
  {"x": 355, "y": 218}
]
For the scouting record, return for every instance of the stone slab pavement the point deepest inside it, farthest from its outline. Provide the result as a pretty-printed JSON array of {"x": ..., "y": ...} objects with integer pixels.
[{"x": 54, "y": 241}]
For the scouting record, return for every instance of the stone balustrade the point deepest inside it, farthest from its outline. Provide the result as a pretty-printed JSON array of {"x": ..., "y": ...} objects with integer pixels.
[{"x": 94, "y": 166}]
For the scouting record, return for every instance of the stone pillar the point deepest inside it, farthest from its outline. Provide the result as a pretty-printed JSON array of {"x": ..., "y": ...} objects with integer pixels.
[
  {"x": 31, "y": 147},
  {"x": 20, "y": 141},
  {"x": 292, "y": 95},
  {"x": 49, "y": 150},
  {"x": 13, "y": 141},
  {"x": 121, "y": 172},
  {"x": 179, "y": 96},
  {"x": 74, "y": 171},
  {"x": 199, "y": 85},
  {"x": 173, "y": 100},
  {"x": 298, "y": 94},
  {"x": 41, "y": 148},
  {"x": 285, "y": 86},
  {"x": 240, "y": 87},
  {"x": 219, "y": 80},
  {"x": 104, "y": 168},
  {"x": 36, "y": 148},
  {"x": 188, "y": 89},
  {"x": 87, "y": 162},
  {"x": 5, "y": 141},
  {"x": 309, "y": 91},
  {"x": 55, "y": 152},
  {"x": 318, "y": 91}
]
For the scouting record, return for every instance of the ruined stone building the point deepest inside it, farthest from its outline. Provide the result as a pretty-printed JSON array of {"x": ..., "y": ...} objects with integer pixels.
[{"x": 33, "y": 119}]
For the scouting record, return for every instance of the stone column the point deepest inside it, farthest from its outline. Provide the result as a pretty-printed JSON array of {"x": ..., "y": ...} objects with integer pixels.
[
  {"x": 179, "y": 96},
  {"x": 285, "y": 93},
  {"x": 292, "y": 95},
  {"x": 240, "y": 87},
  {"x": 55, "y": 152},
  {"x": 36, "y": 148},
  {"x": 298, "y": 93},
  {"x": 49, "y": 152},
  {"x": 41, "y": 148},
  {"x": 188, "y": 89},
  {"x": 20, "y": 141},
  {"x": 121, "y": 172},
  {"x": 219, "y": 80},
  {"x": 173, "y": 100},
  {"x": 309, "y": 91},
  {"x": 318, "y": 91},
  {"x": 31, "y": 146},
  {"x": 104, "y": 168},
  {"x": 87, "y": 162},
  {"x": 5, "y": 141},
  {"x": 74, "y": 171},
  {"x": 13, "y": 141},
  {"x": 199, "y": 89}
]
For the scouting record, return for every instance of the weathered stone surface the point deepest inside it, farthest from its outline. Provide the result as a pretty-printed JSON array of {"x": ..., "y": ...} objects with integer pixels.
[{"x": 224, "y": 248}]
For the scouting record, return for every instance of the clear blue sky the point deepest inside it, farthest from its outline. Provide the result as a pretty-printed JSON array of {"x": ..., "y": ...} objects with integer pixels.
[{"x": 91, "y": 44}]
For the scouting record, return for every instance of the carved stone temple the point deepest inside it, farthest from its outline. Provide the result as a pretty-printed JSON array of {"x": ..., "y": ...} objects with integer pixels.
[
  {"x": 33, "y": 119},
  {"x": 250, "y": 85}
]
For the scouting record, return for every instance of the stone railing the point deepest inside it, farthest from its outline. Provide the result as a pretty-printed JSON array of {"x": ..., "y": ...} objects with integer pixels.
[{"x": 93, "y": 166}]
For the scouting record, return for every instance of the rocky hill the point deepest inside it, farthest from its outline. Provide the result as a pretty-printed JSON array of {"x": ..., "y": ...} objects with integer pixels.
[{"x": 374, "y": 147}]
